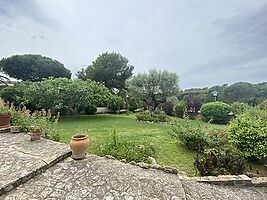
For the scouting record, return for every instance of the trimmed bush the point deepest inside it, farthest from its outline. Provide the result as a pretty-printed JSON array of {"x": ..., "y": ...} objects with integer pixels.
[
  {"x": 248, "y": 131},
  {"x": 180, "y": 108},
  {"x": 216, "y": 112}
]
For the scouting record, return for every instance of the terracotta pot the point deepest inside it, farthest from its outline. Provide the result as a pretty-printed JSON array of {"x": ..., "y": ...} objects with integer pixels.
[
  {"x": 5, "y": 121},
  {"x": 79, "y": 145},
  {"x": 35, "y": 135}
]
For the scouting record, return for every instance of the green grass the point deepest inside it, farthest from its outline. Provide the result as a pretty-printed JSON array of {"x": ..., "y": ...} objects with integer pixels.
[{"x": 99, "y": 128}]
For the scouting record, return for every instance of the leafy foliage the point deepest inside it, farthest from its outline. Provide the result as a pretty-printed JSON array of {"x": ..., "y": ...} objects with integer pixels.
[
  {"x": 22, "y": 117},
  {"x": 133, "y": 105},
  {"x": 33, "y": 67},
  {"x": 125, "y": 149},
  {"x": 213, "y": 162},
  {"x": 168, "y": 106},
  {"x": 263, "y": 105},
  {"x": 242, "y": 92},
  {"x": 156, "y": 117},
  {"x": 4, "y": 109},
  {"x": 153, "y": 87},
  {"x": 239, "y": 107},
  {"x": 111, "y": 69},
  {"x": 216, "y": 112},
  {"x": 248, "y": 131},
  {"x": 180, "y": 108},
  {"x": 198, "y": 137},
  {"x": 59, "y": 94},
  {"x": 115, "y": 103}
]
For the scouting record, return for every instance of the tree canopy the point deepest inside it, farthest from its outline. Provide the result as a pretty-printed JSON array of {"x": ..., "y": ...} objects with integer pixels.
[
  {"x": 59, "y": 94},
  {"x": 111, "y": 69},
  {"x": 33, "y": 67},
  {"x": 154, "y": 87}
]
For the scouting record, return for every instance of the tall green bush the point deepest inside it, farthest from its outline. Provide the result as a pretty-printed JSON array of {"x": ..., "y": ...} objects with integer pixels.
[
  {"x": 248, "y": 131},
  {"x": 216, "y": 112},
  {"x": 180, "y": 108}
]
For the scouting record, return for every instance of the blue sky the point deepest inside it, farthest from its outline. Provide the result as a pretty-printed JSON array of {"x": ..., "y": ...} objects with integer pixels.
[{"x": 205, "y": 42}]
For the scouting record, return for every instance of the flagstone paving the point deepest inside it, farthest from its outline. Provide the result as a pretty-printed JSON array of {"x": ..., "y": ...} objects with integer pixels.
[
  {"x": 20, "y": 158},
  {"x": 102, "y": 178}
]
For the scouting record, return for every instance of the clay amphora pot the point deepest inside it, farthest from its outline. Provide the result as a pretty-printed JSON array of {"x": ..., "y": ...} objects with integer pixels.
[{"x": 79, "y": 145}]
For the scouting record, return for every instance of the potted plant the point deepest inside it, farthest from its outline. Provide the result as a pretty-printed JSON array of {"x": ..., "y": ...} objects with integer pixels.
[
  {"x": 36, "y": 132},
  {"x": 5, "y": 115},
  {"x": 79, "y": 145}
]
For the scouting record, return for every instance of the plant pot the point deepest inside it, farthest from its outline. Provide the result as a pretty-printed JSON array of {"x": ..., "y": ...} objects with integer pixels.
[
  {"x": 5, "y": 121},
  {"x": 79, "y": 145},
  {"x": 15, "y": 129},
  {"x": 35, "y": 135}
]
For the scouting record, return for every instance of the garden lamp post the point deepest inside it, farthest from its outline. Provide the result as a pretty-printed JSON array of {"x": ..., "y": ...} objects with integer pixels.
[
  {"x": 215, "y": 94},
  {"x": 127, "y": 103}
]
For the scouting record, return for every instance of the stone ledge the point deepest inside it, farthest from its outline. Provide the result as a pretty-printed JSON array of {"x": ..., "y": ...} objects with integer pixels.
[
  {"x": 218, "y": 180},
  {"x": 230, "y": 180}
]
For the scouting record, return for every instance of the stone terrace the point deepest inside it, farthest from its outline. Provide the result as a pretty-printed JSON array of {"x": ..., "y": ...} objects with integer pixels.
[{"x": 94, "y": 177}]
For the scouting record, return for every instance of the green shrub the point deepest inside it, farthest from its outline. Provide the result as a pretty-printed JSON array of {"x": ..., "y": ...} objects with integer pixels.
[
  {"x": 248, "y": 131},
  {"x": 239, "y": 107},
  {"x": 192, "y": 136},
  {"x": 115, "y": 103},
  {"x": 180, "y": 108},
  {"x": 89, "y": 110},
  {"x": 158, "y": 116},
  {"x": 198, "y": 137},
  {"x": 213, "y": 162},
  {"x": 216, "y": 112},
  {"x": 263, "y": 105},
  {"x": 133, "y": 104},
  {"x": 22, "y": 117},
  {"x": 168, "y": 107},
  {"x": 125, "y": 149}
]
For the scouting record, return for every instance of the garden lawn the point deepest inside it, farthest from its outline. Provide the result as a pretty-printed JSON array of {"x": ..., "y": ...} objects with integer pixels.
[{"x": 100, "y": 128}]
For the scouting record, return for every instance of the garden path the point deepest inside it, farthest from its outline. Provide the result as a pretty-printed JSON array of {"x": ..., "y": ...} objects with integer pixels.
[{"x": 96, "y": 177}]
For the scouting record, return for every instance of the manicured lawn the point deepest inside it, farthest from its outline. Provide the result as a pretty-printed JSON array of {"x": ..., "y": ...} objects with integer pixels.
[{"x": 100, "y": 127}]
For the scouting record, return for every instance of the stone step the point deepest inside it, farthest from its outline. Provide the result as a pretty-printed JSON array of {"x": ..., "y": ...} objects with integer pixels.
[{"x": 22, "y": 159}]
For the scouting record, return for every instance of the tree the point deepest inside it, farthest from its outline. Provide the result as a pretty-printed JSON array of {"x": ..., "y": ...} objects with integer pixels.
[
  {"x": 33, "y": 67},
  {"x": 111, "y": 69},
  {"x": 154, "y": 87},
  {"x": 242, "y": 92}
]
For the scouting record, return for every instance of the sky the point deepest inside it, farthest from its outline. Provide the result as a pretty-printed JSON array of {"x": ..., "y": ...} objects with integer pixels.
[{"x": 206, "y": 43}]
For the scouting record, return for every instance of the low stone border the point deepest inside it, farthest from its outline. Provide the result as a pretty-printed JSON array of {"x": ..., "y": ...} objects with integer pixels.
[{"x": 219, "y": 180}]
